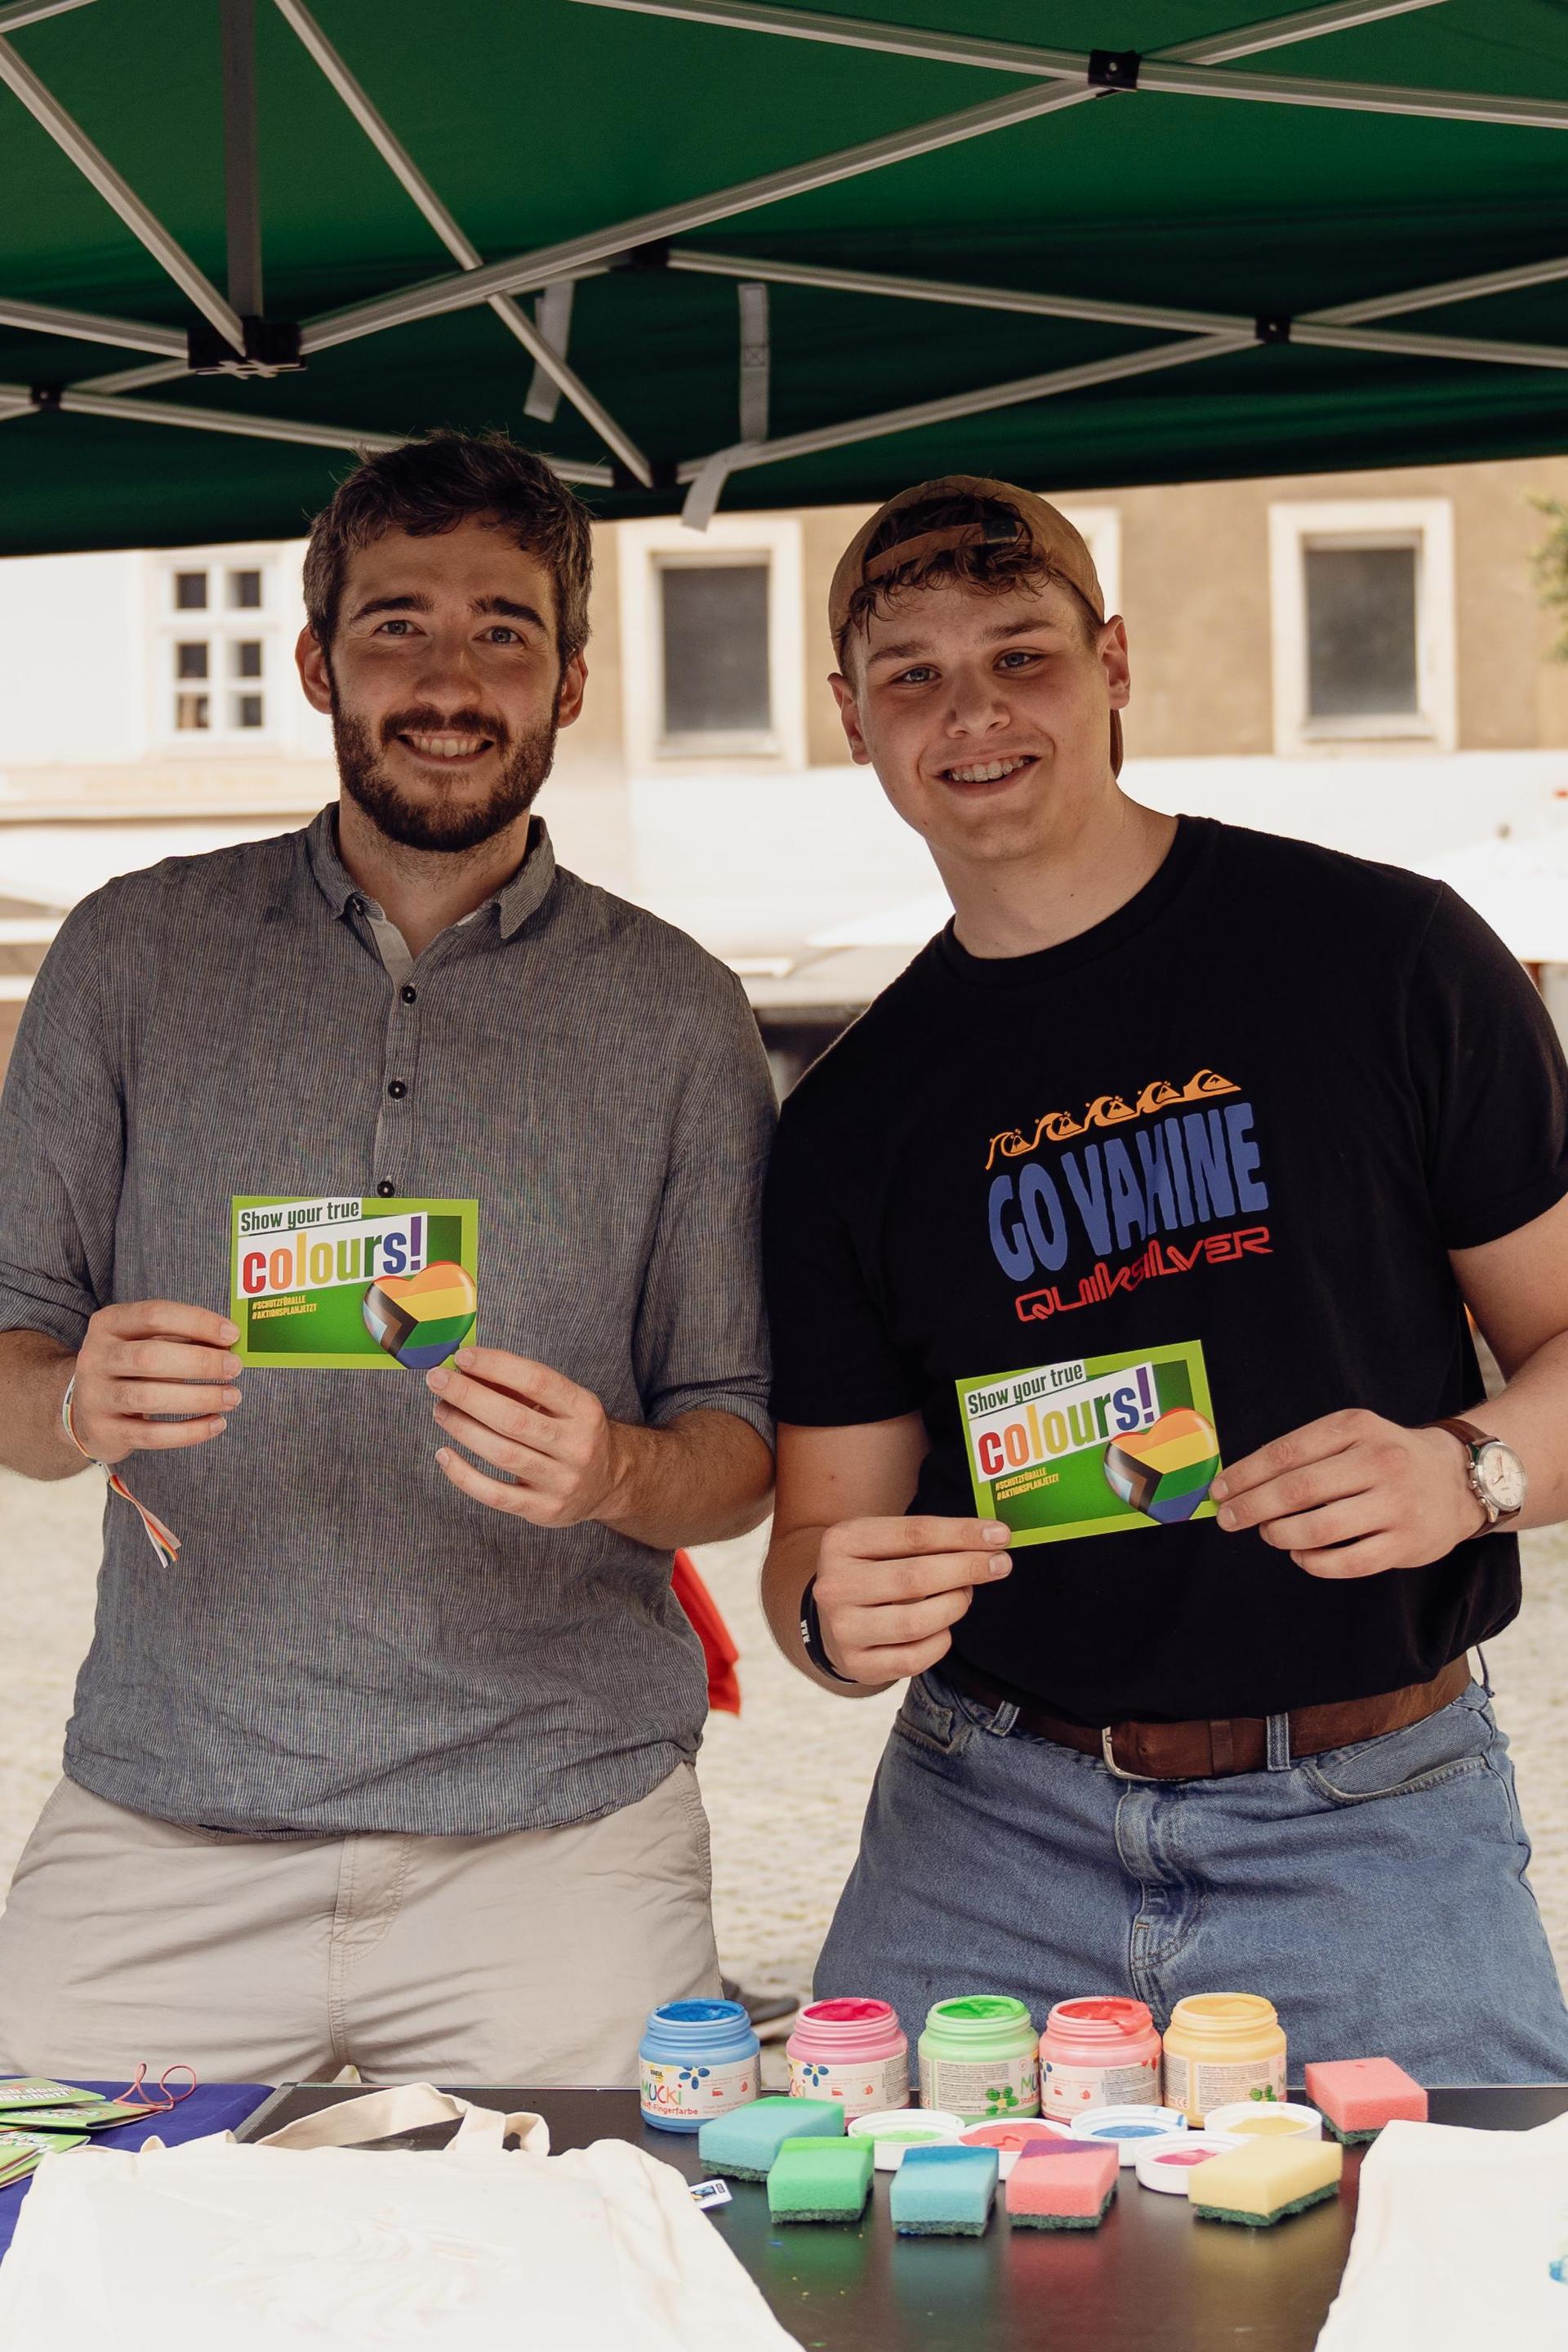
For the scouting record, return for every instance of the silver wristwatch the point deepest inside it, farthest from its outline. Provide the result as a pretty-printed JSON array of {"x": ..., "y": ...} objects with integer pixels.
[{"x": 1496, "y": 1472}]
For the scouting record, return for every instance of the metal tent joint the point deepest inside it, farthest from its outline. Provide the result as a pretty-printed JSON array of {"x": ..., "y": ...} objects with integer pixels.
[
  {"x": 272, "y": 348},
  {"x": 663, "y": 471},
  {"x": 1114, "y": 69},
  {"x": 1272, "y": 330},
  {"x": 640, "y": 259},
  {"x": 45, "y": 395}
]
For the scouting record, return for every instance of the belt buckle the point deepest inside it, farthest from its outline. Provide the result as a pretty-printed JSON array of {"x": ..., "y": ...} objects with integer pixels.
[{"x": 1108, "y": 1752}]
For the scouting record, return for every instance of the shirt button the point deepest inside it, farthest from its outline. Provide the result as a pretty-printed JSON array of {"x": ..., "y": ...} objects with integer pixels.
[
  {"x": 356, "y": 905},
  {"x": 410, "y": 995},
  {"x": 397, "y": 1089},
  {"x": 386, "y": 1188}
]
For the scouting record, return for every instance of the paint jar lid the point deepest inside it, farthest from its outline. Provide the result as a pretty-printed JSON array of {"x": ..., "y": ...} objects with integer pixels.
[
  {"x": 1169, "y": 2164},
  {"x": 1265, "y": 2119},
  {"x": 894, "y": 2129},
  {"x": 1127, "y": 2130}
]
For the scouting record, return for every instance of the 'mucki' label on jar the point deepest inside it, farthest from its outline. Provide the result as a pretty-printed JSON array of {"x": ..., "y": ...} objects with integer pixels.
[{"x": 692, "y": 2091}]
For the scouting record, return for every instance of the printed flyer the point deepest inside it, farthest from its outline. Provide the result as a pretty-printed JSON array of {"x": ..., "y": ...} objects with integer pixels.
[
  {"x": 353, "y": 1285},
  {"x": 1094, "y": 1445}
]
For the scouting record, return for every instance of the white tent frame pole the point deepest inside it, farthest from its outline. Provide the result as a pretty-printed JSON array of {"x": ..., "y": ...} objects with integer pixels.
[
  {"x": 410, "y": 178},
  {"x": 1317, "y": 328},
  {"x": 1516, "y": 280},
  {"x": 94, "y": 167},
  {"x": 530, "y": 272},
  {"x": 1176, "y": 77},
  {"x": 991, "y": 55},
  {"x": 33, "y": 12},
  {"x": 133, "y": 379},
  {"x": 973, "y": 403},
  {"x": 92, "y": 327},
  {"x": 252, "y": 428}
]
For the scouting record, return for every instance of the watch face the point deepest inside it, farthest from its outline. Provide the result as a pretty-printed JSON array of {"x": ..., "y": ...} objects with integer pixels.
[{"x": 1502, "y": 1476}]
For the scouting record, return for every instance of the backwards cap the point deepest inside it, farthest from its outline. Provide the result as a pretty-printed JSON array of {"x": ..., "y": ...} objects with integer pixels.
[{"x": 1031, "y": 522}]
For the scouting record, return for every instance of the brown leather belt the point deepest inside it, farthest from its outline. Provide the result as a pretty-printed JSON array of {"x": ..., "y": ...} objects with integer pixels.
[{"x": 1216, "y": 1749}]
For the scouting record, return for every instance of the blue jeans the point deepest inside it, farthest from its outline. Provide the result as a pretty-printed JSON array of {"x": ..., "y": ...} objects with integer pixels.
[{"x": 1375, "y": 1893}]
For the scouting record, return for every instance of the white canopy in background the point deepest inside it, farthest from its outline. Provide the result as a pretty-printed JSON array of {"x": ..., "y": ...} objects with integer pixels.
[{"x": 1520, "y": 885}]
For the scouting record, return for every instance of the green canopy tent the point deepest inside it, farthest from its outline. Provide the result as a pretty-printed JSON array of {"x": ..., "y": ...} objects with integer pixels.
[{"x": 705, "y": 250}]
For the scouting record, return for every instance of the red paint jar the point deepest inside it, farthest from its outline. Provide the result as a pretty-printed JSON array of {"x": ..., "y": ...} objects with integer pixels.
[{"x": 1098, "y": 2053}]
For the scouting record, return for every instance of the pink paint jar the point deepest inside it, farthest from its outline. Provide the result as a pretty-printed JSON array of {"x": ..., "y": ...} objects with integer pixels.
[
  {"x": 852, "y": 2050},
  {"x": 1098, "y": 2054}
]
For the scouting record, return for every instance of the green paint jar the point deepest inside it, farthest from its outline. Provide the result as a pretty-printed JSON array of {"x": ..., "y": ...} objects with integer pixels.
[{"x": 979, "y": 2058}]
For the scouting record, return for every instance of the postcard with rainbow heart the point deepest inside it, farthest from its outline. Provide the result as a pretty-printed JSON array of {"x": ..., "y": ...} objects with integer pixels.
[
  {"x": 350, "y": 1285},
  {"x": 1095, "y": 1446}
]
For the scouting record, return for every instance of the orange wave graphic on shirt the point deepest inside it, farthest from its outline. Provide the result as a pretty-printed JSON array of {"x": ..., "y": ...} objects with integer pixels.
[{"x": 1107, "y": 1110}]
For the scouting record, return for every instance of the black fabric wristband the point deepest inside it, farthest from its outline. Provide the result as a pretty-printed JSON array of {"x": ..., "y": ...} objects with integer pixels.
[{"x": 812, "y": 1642}]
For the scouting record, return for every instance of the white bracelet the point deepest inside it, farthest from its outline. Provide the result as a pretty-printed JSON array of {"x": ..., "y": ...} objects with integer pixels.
[{"x": 66, "y": 1425}]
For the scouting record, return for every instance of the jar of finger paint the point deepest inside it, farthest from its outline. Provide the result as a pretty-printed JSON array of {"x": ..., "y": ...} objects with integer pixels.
[
  {"x": 854, "y": 2050},
  {"x": 979, "y": 2056},
  {"x": 1220, "y": 2047},
  {"x": 1098, "y": 2054},
  {"x": 697, "y": 2059}
]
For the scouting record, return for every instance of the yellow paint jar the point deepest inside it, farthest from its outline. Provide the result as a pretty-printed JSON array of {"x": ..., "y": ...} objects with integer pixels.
[{"x": 1221, "y": 2047}]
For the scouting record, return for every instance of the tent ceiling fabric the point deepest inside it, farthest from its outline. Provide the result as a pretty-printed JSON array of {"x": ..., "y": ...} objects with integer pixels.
[{"x": 1017, "y": 265}]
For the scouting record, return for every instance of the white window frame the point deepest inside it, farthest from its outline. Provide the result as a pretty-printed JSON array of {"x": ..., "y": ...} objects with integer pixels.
[
  {"x": 1427, "y": 526},
  {"x": 222, "y": 626},
  {"x": 642, "y": 547}
]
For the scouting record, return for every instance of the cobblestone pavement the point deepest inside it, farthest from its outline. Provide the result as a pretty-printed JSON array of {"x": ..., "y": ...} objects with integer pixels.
[{"x": 786, "y": 1783}]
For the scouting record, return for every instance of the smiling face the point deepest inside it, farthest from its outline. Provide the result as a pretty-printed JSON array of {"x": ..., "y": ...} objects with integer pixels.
[
  {"x": 987, "y": 714},
  {"x": 444, "y": 683}
]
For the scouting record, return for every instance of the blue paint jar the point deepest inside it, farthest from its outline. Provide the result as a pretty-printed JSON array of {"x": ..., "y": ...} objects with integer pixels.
[{"x": 697, "y": 2059}]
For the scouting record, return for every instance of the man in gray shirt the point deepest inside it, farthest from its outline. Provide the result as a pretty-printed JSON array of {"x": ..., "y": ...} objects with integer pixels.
[{"x": 393, "y": 1763}]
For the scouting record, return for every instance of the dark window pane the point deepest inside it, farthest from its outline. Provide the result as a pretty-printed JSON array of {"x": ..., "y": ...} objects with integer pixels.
[
  {"x": 190, "y": 592},
  {"x": 716, "y": 648},
  {"x": 246, "y": 658},
  {"x": 247, "y": 710},
  {"x": 190, "y": 712},
  {"x": 190, "y": 661},
  {"x": 1361, "y": 632},
  {"x": 245, "y": 590}
]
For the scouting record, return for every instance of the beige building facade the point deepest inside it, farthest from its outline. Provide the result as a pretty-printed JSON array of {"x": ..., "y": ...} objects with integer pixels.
[{"x": 1361, "y": 659}]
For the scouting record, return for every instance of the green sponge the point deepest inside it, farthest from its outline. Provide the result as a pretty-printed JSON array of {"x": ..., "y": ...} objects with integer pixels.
[{"x": 820, "y": 2180}]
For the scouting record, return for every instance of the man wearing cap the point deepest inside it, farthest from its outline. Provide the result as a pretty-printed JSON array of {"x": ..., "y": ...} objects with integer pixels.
[{"x": 1147, "y": 1204}]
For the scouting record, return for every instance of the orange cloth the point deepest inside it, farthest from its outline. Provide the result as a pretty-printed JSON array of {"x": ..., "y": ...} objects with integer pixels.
[{"x": 723, "y": 1685}]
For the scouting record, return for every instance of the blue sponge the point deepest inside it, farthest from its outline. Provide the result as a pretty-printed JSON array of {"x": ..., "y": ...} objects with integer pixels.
[
  {"x": 944, "y": 2192},
  {"x": 744, "y": 2142}
]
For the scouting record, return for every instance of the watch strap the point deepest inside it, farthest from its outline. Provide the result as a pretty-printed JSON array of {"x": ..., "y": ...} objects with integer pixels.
[{"x": 811, "y": 1639}]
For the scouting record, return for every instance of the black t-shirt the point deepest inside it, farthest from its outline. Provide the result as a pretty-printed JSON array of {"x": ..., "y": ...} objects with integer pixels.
[{"x": 1223, "y": 1140}]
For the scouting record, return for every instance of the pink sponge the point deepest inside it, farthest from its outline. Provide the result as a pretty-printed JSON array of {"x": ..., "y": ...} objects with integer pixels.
[
  {"x": 1061, "y": 2184},
  {"x": 1358, "y": 2096}
]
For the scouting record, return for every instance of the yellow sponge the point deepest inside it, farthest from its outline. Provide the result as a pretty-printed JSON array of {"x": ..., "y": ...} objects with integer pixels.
[{"x": 1264, "y": 2179}]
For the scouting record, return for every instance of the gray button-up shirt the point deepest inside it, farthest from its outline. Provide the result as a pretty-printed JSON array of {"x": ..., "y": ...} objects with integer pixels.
[{"x": 346, "y": 1642}]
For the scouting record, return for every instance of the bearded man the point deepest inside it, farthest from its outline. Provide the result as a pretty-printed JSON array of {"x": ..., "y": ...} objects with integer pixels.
[{"x": 393, "y": 1764}]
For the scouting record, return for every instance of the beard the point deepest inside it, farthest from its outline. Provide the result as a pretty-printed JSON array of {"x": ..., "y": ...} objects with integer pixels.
[{"x": 440, "y": 823}]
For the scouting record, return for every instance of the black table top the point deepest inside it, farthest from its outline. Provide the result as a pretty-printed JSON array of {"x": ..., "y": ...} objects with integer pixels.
[{"x": 1149, "y": 2280}]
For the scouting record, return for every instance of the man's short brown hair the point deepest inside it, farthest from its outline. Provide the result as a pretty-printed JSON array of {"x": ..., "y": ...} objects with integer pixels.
[
  {"x": 996, "y": 554},
  {"x": 430, "y": 486}
]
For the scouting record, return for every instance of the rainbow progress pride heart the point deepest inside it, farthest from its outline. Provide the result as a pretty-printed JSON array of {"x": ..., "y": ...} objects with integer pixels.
[
  {"x": 1165, "y": 1471},
  {"x": 422, "y": 1319}
]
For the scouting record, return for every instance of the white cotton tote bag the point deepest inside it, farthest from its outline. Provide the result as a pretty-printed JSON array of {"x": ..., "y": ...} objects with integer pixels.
[
  {"x": 307, "y": 2239},
  {"x": 1460, "y": 2237}
]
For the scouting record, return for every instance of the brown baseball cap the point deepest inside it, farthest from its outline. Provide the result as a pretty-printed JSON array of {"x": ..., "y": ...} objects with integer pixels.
[{"x": 1030, "y": 519}]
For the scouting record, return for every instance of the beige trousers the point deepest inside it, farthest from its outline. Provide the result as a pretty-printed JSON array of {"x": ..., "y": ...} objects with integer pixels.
[{"x": 528, "y": 1958}]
